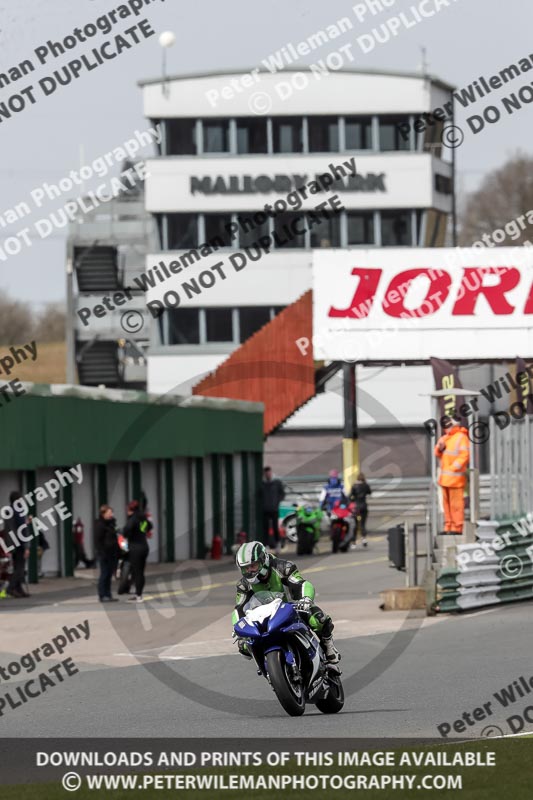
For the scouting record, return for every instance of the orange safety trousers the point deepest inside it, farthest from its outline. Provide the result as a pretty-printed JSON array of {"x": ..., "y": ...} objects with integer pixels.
[{"x": 453, "y": 503}]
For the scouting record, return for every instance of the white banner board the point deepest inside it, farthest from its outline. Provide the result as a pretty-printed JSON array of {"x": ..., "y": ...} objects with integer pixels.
[
  {"x": 383, "y": 180},
  {"x": 413, "y": 303}
]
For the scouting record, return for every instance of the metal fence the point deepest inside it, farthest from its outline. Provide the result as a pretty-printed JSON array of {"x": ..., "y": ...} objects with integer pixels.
[{"x": 511, "y": 472}]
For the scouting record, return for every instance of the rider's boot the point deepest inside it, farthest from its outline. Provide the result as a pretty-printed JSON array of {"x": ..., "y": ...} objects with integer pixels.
[{"x": 332, "y": 654}]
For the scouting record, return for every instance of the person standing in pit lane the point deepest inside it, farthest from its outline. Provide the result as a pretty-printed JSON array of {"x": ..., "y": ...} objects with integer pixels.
[
  {"x": 137, "y": 531},
  {"x": 359, "y": 492}
]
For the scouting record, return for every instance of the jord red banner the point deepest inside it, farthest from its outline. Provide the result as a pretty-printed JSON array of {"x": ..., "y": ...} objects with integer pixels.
[{"x": 411, "y": 304}]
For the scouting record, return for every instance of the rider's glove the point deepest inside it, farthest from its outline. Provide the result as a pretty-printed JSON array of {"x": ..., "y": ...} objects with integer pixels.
[{"x": 304, "y": 605}]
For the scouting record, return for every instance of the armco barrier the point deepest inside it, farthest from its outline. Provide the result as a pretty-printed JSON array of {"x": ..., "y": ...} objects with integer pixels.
[{"x": 498, "y": 568}]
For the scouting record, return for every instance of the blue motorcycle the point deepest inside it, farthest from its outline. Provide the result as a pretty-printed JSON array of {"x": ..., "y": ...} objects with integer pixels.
[{"x": 289, "y": 655}]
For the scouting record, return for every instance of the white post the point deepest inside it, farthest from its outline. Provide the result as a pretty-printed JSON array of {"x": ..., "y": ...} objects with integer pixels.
[{"x": 492, "y": 467}]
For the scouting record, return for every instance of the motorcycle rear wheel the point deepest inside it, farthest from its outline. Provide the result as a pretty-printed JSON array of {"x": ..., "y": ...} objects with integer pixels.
[
  {"x": 290, "y": 696},
  {"x": 334, "y": 702},
  {"x": 124, "y": 585}
]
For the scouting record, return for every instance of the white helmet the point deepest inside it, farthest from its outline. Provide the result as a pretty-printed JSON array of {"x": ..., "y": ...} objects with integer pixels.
[{"x": 253, "y": 561}]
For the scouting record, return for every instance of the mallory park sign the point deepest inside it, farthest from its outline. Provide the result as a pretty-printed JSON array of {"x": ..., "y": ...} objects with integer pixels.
[{"x": 279, "y": 184}]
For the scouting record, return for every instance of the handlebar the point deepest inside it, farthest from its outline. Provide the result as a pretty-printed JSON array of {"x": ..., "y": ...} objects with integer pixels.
[{"x": 295, "y": 603}]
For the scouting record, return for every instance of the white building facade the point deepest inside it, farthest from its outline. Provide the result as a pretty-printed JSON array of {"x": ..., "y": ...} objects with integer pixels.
[{"x": 219, "y": 165}]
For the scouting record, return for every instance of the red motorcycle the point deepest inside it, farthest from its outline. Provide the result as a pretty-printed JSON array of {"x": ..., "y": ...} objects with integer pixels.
[{"x": 340, "y": 514}]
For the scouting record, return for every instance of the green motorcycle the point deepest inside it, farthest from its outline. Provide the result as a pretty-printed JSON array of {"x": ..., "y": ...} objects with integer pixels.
[{"x": 308, "y": 520}]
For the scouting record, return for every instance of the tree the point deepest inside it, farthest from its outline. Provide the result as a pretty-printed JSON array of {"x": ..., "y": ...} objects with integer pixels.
[
  {"x": 500, "y": 212},
  {"x": 16, "y": 323},
  {"x": 50, "y": 324}
]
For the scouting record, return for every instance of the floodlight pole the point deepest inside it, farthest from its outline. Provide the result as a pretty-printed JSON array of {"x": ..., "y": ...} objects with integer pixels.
[
  {"x": 164, "y": 84},
  {"x": 166, "y": 40}
]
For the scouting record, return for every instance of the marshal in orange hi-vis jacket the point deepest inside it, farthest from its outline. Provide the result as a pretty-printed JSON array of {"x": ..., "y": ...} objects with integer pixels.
[{"x": 453, "y": 452}]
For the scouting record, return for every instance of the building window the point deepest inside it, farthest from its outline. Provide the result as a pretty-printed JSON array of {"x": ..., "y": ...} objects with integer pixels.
[
  {"x": 443, "y": 184},
  {"x": 360, "y": 227},
  {"x": 219, "y": 324},
  {"x": 159, "y": 222},
  {"x": 358, "y": 133},
  {"x": 251, "y": 319},
  {"x": 290, "y": 236},
  {"x": 287, "y": 132},
  {"x": 250, "y": 231},
  {"x": 419, "y": 216},
  {"x": 327, "y": 233},
  {"x": 430, "y": 140},
  {"x": 161, "y": 124},
  {"x": 216, "y": 135},
  {"x": 182, "y": 231},
  {"x": 217, "y": 230},
  {"x": 181, "y": 137},
  {"x": 390, "y": 137},
  {"x": 396, "y": 229},
  {"x": 323, "y": 134},
  {"x": 183, "y": 326},
  {"x": 251, "y": 135}
]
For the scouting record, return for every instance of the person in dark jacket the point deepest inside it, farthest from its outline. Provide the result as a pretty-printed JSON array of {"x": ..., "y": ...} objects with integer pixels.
[
  {"x": 20, "y": 553},
  {"x": 107, "y": 551},
  {"x": 136, "y": 531},
  {"x": 358, "y": 494},
  {"x": 272, "y": 493}
]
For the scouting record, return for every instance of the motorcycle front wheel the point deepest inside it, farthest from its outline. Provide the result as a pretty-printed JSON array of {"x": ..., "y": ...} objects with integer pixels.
[
  {"x": 290, "y": 694},
  {"x": 290, "y": 524}
]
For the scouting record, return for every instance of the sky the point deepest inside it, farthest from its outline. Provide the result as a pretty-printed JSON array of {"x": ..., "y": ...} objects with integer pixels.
[{"x": 102, "y": 108}]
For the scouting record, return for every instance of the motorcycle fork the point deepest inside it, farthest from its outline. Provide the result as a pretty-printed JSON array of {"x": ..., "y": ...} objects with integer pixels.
[{"x": 293, "y": 665}]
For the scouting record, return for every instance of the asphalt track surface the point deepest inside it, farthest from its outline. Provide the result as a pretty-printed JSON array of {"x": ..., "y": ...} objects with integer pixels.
[{"x": 169, "y": 668}]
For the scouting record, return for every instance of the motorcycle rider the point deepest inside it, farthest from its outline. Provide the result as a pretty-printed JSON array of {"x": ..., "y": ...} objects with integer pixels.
[
  {"x": 333, "y": 490},
  {"x": 358, "y": 494},
  {"x": 263, "y": 572}
]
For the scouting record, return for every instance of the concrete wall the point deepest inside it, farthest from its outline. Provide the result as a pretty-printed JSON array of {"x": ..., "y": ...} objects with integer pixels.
[
  {"x": 85, "y": 505},
  {"x": 150, "y": 483}
]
